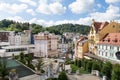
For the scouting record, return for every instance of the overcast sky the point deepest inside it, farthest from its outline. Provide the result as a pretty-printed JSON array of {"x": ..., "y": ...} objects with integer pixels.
[{"x": 53, "y": 12}]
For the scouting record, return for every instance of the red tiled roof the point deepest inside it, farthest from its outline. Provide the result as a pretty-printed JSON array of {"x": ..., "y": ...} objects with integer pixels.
[
  {"x": 111, "y": 38},
  {"x": 100, "y": 25}
]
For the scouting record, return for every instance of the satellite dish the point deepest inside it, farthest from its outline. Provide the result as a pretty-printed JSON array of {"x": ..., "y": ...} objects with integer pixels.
[{"x": 118, "y": 55}]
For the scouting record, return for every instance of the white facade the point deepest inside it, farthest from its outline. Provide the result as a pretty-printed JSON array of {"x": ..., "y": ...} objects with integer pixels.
[
  {"x": 41, "y": 48},
  {"x": 108, "y": 51},
  {"x": 22, "y": 38},
  {"x": 46, "y": 44},
  {"x": 7, "y": 51}
]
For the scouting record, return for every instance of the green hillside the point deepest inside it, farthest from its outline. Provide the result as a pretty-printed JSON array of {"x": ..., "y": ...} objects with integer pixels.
[{"x": 10, "y": 25}]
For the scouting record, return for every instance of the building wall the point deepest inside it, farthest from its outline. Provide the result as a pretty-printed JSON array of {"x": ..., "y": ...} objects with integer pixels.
[
  {"x": 108, "y": 51},
  {"x": 4, "y": 36},
  {"x": 21, "y": 38},
  {"x": 85, "y": 47},
  {"x": 93, "y": 40},
  {"x": 8, "y": 51},
  {"x": 46, "y": 44},
  {"x": 82, "y": 49},
  {"x": 41, "y": 48}
]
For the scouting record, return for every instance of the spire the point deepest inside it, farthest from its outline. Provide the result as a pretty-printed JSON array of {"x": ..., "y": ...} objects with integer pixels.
[{"x": 93, "y": 21}]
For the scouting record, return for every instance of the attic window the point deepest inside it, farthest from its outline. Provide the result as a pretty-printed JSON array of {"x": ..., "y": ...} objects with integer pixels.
[
  {"x": 116, "y": 40},
  {"x": 108, "y": 40}
]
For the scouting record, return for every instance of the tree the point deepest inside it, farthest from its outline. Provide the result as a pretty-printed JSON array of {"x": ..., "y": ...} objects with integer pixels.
[
  {"x": 62, "y": 76},
  {"x": 84, "y": 63},
  {"x": 95, "y": 66},
  {"x": 3, "y": 69},
  {"x": 40, "y": 63},
  {"x": 29, "y": 59},
  {"x": 107, "y": 69},
  {"x": 22, "y": 58},
  {"x": 79, "y": 63},
  {"x": 116, "y": 72},
  {"x": 76, "y": 61},
  {"x": 89, "y": 66}
]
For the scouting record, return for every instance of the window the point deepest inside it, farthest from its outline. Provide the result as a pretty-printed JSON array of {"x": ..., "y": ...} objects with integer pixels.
[
  {"x": 113, "y": 26},
  {"x": 116, "y": 40},
  {"x": 117, "y": 48},
  {"x": 106, "y": 54}
]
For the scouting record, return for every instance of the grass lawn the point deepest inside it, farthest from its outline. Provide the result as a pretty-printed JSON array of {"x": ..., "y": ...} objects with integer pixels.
[{"x": 75, "y": 68}]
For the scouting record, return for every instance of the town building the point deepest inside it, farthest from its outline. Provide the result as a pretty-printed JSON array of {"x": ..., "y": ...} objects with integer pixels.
[
  {"x": 4, "y": 35},
  {"x": 46, "y": 44},
  {"x": 98, "y": 31},
  {"x": 68, "y": 35},
  {"x": 109, "y": 47},
  {"x": 94, "y": 35},
  {"x": 7, "y": 50},
  {"x": 81, "y": 47},
  {"x": 15, "y": 43},
  {"x": 63, "y": 47},
  {"x": 20, "y": 38}
]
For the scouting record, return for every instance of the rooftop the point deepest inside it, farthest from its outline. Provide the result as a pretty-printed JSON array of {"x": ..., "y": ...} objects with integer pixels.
[{"x": 111, "y": 38}]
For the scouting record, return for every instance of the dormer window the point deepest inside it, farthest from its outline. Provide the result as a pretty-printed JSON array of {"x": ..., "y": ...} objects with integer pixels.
[
  {"x": 108, "y": 40},
  {"x": 116, "y": 40}
]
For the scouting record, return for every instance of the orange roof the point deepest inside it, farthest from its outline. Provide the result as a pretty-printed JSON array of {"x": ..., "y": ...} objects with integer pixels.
[
  {"x": 111, "y": 38},
  {"x": 82, "y": 38}
]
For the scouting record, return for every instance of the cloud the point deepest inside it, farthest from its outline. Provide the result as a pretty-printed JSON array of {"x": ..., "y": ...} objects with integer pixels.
[
  {"x": 30, "y": 11},
  {"x": 85, "y": 21},
  {"x": 112, "y": 1},
  {"x": 12, "y": 8},
  {"x": 81, "y": 6},
  {"x": 30, "y": 2},
  {"x": 16, "y": 18},
  {"x": 112, "y": 13},
  {"x": 51, "y": 8}
]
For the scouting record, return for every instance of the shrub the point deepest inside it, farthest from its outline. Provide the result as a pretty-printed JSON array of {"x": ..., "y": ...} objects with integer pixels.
[
  {"x": 31, "y": 66},
  {"x": 95, "y": 66},
  {"x": 116, "y": 72},
  {"x": 17, "y": 57},
  {"x": 62, "y": 76},
  {"x": 52, "y": 79},
  {"x": 107, "y": 69},
  {"x": 79, "y": 63}
]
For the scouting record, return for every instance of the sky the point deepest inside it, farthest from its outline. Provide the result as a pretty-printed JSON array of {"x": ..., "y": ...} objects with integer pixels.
[{"x": 54, "y": 12}]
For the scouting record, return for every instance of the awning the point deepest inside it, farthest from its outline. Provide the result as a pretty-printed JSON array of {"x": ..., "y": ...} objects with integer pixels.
[{"x": 87, "y": 57}]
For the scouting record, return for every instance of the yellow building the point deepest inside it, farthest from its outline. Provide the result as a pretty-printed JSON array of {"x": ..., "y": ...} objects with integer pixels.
[
  {"x": 81, "y": 47},
  {"x": 93, "y": 36},
  {"x": 98, "y": 31}
]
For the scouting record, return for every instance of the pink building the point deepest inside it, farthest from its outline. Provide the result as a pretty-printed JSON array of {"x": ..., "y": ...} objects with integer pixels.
[{"x": 46, "y": 44}]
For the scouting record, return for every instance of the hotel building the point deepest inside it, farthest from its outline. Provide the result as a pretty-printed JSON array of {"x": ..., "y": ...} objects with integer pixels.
[
  {"x": 109, "y": 47},
  {"x": 46, "y": 44}
]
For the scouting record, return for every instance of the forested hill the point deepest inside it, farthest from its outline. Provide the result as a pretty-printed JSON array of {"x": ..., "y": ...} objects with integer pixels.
[
  {"x": 57, "y": 29},
  {"x": 76, "y": 28}
]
